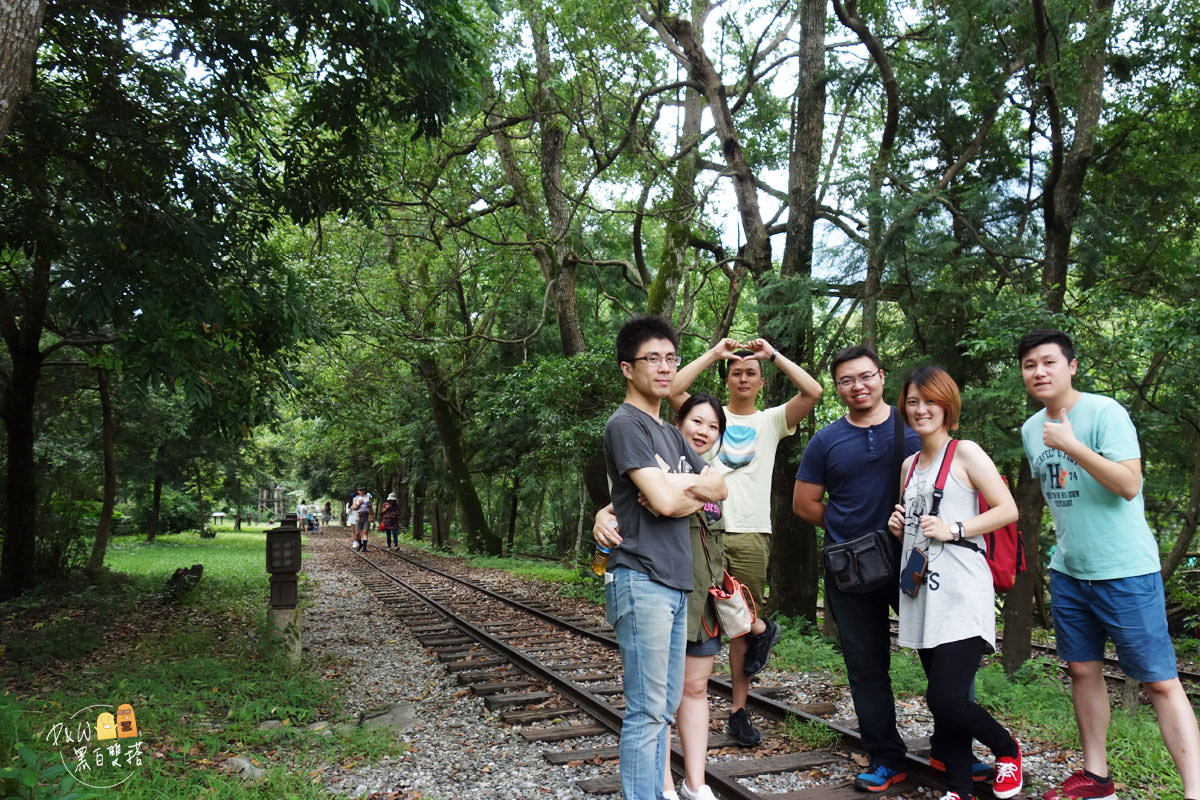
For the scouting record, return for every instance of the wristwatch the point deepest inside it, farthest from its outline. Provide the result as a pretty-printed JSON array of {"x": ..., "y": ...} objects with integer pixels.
[
  {"x": 959, "y": 532},
  {"x": 774, "y": 353}
]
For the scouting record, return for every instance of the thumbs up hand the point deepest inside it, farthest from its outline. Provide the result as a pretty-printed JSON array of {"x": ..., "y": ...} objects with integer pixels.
[{"x": 1058, "y": 433}]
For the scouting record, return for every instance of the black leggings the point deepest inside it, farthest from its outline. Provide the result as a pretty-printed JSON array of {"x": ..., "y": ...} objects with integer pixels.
[{"x": 950, "y": 669}]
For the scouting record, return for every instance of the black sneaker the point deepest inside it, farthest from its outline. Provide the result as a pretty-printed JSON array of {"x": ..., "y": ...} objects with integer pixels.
[
  {"x": 741, "y": 730},
  {"x": 758, "y": 650}
]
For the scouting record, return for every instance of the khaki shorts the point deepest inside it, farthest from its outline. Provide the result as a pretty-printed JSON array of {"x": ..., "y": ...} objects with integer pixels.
[{"x": 746, "y": 556}]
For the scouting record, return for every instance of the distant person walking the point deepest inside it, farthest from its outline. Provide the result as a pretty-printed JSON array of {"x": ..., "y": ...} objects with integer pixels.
[
  {"x": 389, "y": 516},
  {"x": 360, "y": 511}
]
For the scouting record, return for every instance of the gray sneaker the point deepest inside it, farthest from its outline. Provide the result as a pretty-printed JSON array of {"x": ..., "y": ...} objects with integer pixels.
[{"x": 758, "y": 650}]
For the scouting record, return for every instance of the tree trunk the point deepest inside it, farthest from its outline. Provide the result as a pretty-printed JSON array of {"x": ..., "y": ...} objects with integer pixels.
[
  {"x": 515, "y": 502},
  {"x": 479, "y": 534},
  {"x": 579, "y": 523},
  {"x": 677, "y": 236},
  {"x": 20, "y": 21},
  {"x": 1190, "y": 518},
  {"x": 108, "y": 434},
  {"x": 1062, "y": 190},
  {"x": 1062, "y": 194},
  {"x": 548, "y": 229},
  {"x": 156, "y": 495},
  {"x": 441, "y": 526},
  {"x": 847, "y": 14},
  {"x": 19, "y": 559},
  {"x": 537, "y": 519},
  {"x": 435, "y": 525},
  {"x": 1019, "y": 603},
  {"x": 418, "y": 511},
  {"x": 686, "y": 36},
  {"x": 22, "y": 336},
  {"x": 873, "y": 285},
  {"x": 237, "y": 500},
  {"x": 405, "y": 507},
  {"x": 206, "y": 532},
  {"x": 795, "y": 566}
]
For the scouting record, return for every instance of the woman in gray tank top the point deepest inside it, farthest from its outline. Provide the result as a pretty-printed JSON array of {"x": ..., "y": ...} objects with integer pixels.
[{"x": 949, "y": 615}]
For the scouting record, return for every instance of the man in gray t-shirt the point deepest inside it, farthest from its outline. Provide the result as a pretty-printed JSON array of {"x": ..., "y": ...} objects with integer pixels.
[
  {"x": 657, "y": 545},
  {"x": 656, "y": 481}
]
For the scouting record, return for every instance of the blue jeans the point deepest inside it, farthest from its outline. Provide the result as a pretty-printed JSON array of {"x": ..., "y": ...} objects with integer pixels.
[{"x": 651, "y": 624}]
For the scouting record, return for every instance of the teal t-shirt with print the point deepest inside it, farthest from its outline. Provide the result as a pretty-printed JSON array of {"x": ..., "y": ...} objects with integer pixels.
[{"x": 1100, "y": 535}]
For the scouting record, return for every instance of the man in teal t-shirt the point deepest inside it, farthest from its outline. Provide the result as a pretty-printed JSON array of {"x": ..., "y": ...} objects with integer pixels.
[{"x": 1104, "y": 577}]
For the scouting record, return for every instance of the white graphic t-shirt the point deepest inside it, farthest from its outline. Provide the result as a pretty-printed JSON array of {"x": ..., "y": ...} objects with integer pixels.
[{"x": 746, "y": 459}]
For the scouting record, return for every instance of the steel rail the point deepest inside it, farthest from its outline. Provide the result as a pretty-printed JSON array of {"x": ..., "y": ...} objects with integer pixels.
[
  {"x": 729, "y": 788},
  {"x": 607, "y": 716}
]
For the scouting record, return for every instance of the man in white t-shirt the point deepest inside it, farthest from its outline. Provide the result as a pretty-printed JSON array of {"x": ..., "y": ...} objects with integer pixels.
[{"x": 746, "y": 459}]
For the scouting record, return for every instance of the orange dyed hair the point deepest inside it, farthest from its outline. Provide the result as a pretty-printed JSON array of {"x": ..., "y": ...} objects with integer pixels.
[{"x": 939, "y": 388}]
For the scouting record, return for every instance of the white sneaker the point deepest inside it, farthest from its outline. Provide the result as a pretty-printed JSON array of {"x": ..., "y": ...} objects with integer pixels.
[
  {"x": 703, "y": 793},
  {"x": 670, "y": 794}
]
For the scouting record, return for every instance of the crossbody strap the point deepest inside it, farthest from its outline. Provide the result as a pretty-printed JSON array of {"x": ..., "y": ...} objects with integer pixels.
[
  {"x": 939, "y": 485},
  {"x": 898, "y": 448},
  {"x": 704, "y": 543}
]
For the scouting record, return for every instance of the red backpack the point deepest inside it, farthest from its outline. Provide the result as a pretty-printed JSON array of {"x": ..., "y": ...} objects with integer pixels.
[{"x": 1005, "y": 552}]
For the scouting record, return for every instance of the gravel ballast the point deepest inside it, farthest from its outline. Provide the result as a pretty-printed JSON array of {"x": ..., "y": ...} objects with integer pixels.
[{"x": 456, "y": 748}]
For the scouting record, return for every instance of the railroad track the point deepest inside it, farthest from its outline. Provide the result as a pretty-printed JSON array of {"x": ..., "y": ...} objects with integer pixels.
[{"x": 558, "y": 677}]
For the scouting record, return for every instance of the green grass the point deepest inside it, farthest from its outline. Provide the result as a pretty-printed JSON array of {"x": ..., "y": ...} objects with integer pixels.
[
  {"x": 811, "y": 735},
  {"x": 197, "y": 672},
  {"x": 576, "y": 583},
  {"x": 547, "y": 571},
  {"x": 804, "y": 649}
]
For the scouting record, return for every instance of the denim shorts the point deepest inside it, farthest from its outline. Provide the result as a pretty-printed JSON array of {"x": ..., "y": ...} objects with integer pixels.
[
  {"x": 709, "y": 647},
  {"x": 1132, "y": 612}
]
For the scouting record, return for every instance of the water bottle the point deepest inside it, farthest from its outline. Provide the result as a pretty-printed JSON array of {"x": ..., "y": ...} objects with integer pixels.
[{"x": 600, "y": 558}]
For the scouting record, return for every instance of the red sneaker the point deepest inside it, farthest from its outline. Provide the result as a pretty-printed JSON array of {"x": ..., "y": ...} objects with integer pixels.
[
  {"x": 1008, "y": 775},
  {"x": 1080, "y": 786}
]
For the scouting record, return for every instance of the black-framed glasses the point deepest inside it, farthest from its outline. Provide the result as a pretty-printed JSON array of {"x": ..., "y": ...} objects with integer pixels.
[
  {"x": 863, "y": 377},
  {"x": 654, "y": 359}
]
